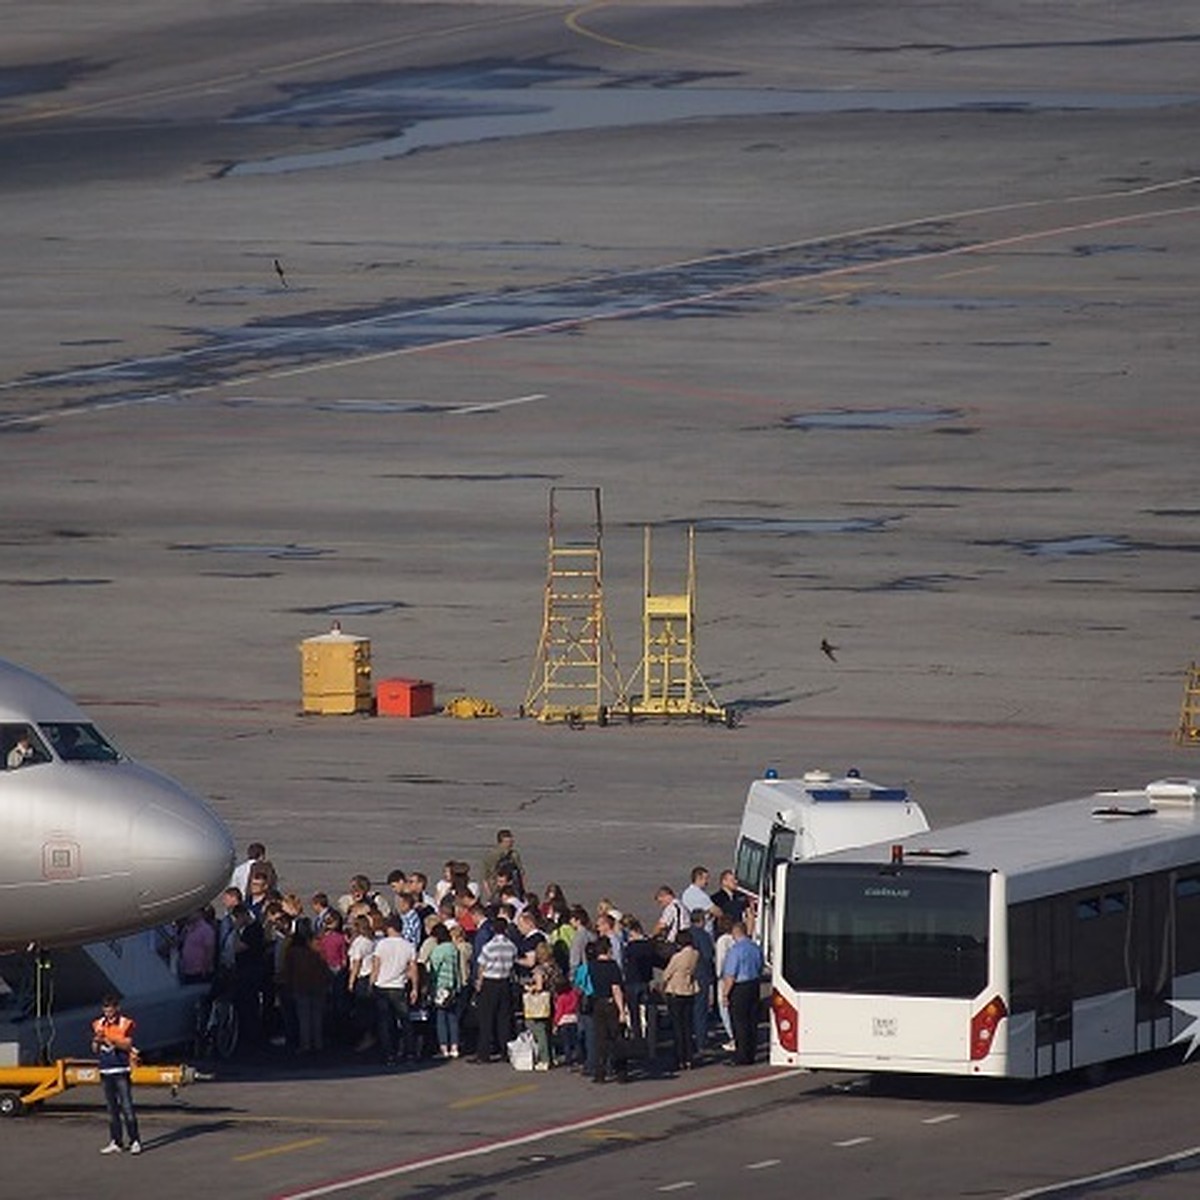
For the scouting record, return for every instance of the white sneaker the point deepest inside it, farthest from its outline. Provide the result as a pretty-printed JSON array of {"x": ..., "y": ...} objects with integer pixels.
[
  {"x": 135, "y": 1148},
  {"x": 111, "y": 1148},
  {"x": 729, "y": 1046}
]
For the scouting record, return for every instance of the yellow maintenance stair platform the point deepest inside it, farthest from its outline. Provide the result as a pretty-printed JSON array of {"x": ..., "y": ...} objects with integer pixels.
[{"x": 21, "y": 1088}]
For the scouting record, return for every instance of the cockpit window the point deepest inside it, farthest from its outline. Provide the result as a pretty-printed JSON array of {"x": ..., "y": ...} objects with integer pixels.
[
  {"x": 79, "y": 743},
  {"x": 21, "y": 747}
]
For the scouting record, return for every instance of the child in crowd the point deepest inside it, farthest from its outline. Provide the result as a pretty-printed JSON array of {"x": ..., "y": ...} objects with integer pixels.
[{"x": 566, "y": 1023}]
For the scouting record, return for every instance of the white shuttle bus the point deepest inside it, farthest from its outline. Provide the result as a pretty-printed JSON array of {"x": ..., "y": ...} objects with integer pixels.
[
  {"x": 786, "y": 820},
  {"x": 1019, "y": 946}
]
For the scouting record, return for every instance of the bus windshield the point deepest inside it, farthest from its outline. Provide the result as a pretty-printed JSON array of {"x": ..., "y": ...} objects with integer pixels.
[{"x": 874, "y": 930}]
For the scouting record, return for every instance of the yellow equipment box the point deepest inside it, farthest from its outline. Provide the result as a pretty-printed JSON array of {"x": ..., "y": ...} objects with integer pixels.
[{"x": 335, "y": 672}]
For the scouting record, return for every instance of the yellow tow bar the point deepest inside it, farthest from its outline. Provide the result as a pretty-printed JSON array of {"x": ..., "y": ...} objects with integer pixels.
[{"x": 23, "y": 1087}]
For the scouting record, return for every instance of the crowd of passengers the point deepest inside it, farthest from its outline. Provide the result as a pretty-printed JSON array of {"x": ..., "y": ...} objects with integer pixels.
[{"x": 459, "y": 969}]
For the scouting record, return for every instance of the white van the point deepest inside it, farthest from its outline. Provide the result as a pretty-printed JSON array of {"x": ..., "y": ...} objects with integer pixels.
[{"x": 786, "y": 820}]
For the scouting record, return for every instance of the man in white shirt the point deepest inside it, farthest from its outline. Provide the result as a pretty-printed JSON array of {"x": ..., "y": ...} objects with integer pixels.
[
  {"x": 394, "y": 982},
  {"x": 674, "y": 916},
  {"x": 240, "y": 878},
  {"x": 695, "y": 896}
]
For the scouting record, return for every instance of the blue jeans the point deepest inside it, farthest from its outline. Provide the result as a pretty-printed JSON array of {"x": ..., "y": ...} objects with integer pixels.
[
  {"x": 568, "y": 1040},
  {"x": 700, "y": 1011},
  {"x": 447, "y": 1025},
  {"x": 118, "y": 1095}
]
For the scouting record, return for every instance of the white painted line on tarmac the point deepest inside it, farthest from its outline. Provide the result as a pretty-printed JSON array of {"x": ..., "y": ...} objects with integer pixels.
[
  {"x": 940, "y": 1120},
  {"x": 764, "y": 1164},
  {"x": 582, "y": 320},
  {"x": 1127, "y": 1174},
  {"x": 493, "y": 405},
  {"x": 857, "y": 1141},
  {"x": 677, "y": 1187},
  {"x": 535, "y": 1135}
]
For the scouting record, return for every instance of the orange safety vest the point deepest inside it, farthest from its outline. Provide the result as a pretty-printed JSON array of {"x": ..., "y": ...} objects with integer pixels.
[{"x": 113, "y": 1058}]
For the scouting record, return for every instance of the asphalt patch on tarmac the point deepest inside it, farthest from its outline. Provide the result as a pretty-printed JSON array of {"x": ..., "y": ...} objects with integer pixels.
[
  {"x": 872, "y": 418},
  {"x": 790, "y": 526},
  {"x": 288, "y": 550}
]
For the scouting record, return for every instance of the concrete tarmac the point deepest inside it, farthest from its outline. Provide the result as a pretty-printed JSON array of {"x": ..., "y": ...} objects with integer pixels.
[{"x": 895, "y": 304}]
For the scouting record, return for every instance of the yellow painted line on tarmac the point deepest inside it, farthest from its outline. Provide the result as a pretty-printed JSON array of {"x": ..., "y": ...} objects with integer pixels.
[
  {"x": 611, "y": 1135},
  {"x": 521, "y": 1089},
  {"x": 44, "y": 111},
  {"x": 179, "y": 1116},
  {"x": 286, "y": 1148},
  {"x": 576, "y": 22},
  {"x": 964, "y": 271}
]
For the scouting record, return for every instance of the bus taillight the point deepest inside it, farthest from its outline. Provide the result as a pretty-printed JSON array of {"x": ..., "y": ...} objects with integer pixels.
[
  {"x": 983, "y": 1027},
  {"x": 787, "y": 1023}
]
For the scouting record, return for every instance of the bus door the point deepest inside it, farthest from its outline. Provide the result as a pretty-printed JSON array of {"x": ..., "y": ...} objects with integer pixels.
[
  {"x": 1152, "y": 967},
  {"x": 1052, "y": 952}
]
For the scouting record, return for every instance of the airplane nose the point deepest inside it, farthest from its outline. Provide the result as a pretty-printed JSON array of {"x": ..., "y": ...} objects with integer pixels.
[{"x": 183, "y": 856}]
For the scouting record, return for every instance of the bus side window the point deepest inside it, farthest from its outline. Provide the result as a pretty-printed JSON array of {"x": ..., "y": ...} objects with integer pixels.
[
  {"x": 1187, "y": 923},
  {"x": 1098, "y": 943}
]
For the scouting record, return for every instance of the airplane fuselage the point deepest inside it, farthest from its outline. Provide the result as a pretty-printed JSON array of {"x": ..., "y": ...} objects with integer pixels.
[{"x": 92, "y": 844}]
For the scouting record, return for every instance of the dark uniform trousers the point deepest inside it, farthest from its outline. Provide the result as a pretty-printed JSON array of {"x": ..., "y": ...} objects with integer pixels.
[
  {"x": 608, "y": 1030},
  {"x": 495, "y": 1016},
  {"x": 743, "y": 1012}
]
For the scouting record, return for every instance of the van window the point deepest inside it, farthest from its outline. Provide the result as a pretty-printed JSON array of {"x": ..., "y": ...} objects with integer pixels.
[{"x": 748, "y": 864}]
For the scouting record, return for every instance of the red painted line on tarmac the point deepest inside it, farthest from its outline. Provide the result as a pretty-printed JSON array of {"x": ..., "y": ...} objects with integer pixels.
[{"x": 508, "y": 1142}]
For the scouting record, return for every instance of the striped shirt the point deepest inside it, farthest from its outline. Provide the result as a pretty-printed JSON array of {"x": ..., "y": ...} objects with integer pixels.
[
  {"x": 410, "y": 926},
  {"x": 497, "y": 958}
]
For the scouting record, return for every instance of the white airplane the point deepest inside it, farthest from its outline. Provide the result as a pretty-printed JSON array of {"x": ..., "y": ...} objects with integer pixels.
[{"x": 92, "y": 844}]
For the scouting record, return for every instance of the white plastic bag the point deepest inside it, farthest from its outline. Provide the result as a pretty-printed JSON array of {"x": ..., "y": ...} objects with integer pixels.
[{"x": 522, "y": 1051}]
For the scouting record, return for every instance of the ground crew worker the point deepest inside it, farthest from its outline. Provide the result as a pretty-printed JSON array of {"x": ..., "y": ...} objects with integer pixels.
[
  {"x": 112, "y": 1043},
  {"x": 740, "y": 977}
]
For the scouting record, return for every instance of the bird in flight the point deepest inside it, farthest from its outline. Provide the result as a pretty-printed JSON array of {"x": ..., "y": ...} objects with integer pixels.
[
  {"x": 279, "y": 272},
  {"x": 828, "y": 650}
]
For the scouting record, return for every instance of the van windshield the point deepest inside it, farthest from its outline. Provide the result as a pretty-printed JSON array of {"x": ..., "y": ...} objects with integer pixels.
[{"x": 77, "y": 742}]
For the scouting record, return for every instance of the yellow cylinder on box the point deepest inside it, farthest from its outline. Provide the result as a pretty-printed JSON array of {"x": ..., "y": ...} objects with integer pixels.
[{"x": 335, "y": 671}]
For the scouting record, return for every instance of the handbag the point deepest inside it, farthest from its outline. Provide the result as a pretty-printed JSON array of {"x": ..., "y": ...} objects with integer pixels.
[
  {"x": 630, "y": 1047},
  {"x": 662, "y": 950},
  {"x": 536, "y": 1006}
]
